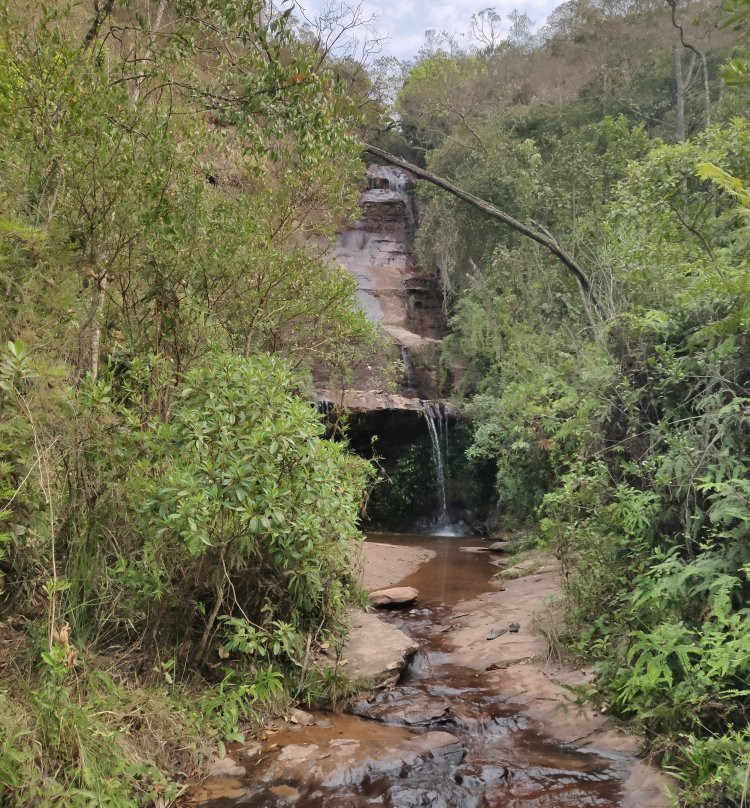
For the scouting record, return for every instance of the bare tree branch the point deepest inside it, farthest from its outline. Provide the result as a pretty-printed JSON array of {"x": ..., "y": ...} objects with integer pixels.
[{"x": 544, "y": 238}]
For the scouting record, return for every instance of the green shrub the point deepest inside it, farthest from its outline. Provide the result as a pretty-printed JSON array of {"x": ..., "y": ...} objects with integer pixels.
[
  {"x": 212, "y": 565},
  {"x": 247, "y": 518}
]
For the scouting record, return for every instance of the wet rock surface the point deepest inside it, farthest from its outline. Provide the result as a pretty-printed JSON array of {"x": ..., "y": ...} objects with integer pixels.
[
  {"x": 225, "y": 767},
  {"x": 341, "y": 762},
  {"x": 499, "y": 547},
  {"x": 470, "y": 724}
]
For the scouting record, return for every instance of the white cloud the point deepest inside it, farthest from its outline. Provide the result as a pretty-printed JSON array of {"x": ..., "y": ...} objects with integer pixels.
[{"x": 404, "y": 22}]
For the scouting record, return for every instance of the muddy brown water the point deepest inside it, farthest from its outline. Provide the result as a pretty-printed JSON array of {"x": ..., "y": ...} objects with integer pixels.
[{"x": 500, "y": 758}]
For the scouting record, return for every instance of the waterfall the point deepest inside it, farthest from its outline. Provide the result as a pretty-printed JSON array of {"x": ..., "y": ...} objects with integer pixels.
[
  {"x": 443, "y": 423},
  {"x": 398, "y": 182},
  {"x": 437, "y": 428}
]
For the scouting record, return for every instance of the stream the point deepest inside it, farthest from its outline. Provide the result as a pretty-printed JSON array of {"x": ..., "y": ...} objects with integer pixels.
[{"x": 449, "y": 735}]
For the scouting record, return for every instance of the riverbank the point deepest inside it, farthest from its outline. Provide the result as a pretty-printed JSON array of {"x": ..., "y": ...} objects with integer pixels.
[
  {"x": 519, "y": 665},
  {"x": 384, "y": 564}
]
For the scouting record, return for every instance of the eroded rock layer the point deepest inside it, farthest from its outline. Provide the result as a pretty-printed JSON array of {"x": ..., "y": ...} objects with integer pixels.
[{"x": 393, "y": 291}]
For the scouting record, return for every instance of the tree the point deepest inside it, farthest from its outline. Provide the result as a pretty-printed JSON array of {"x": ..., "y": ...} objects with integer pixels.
[
  {"x": 682, "y": 81},
  {"x": 486, "y": 29}
]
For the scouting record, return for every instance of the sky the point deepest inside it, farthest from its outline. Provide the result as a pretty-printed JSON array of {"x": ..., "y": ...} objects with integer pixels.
[{"x": 404, "y": 22}]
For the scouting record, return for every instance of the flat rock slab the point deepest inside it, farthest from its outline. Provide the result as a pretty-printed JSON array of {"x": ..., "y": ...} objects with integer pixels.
[
  {"x": 511, "y": 665},
  {"x": 337, "y": 751},
  {"x": 408, "y": 338},
  {"x": 351, "y": 761},
  {"x": 367, "y": 400},
  {"x": 376, "y": 651},
  {"x": 395, "y": 596},
  {"x": 388, "y": 564}
]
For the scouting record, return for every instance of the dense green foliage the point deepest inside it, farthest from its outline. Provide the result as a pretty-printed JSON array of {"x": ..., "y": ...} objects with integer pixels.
[
  {"x": 408, "y": 491},
  {"x": 177, "y": 539},
  {"x": 629, "y": 440}
]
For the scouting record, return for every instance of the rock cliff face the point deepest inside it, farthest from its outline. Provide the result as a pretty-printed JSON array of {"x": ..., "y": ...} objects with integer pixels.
[
  {"x": 391, "y": 288},
  {"x": 405, "y": 302}
]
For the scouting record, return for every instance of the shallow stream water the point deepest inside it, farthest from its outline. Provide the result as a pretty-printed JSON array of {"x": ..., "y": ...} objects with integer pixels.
[{"x": 500, "y": 758}]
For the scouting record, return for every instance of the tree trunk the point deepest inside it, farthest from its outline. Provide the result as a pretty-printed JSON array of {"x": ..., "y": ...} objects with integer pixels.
[
  {"x": 218, "y": 601},
  {"x": 606, "y": 94},
  {"x": 706, "y": 89},
  {"x": 153, "y": 29},
  {"x": 97, "y": 301},
  {"x": 543, "y": 238},
  {"x": 683, "y": 82},
  {"x": 100, "y": 15},
  {"x": 680, "y": 91}
]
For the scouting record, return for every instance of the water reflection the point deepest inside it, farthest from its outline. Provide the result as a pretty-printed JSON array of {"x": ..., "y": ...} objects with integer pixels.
[{"x": 460, "y": 569}]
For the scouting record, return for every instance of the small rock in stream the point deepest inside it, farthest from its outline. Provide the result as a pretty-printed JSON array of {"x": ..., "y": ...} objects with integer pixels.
[
  {"x": 285, "y": 794},
  {"x": 225, "y": 767},
  {"x": 395, "y": 596},
  {"x": 300, "y": 717},
  {"x": 251, "y": 750},
  {"x": 497, "y": 632}
]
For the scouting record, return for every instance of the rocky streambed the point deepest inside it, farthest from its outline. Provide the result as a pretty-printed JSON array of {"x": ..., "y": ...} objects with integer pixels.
[{"x": 477, "y": 718}]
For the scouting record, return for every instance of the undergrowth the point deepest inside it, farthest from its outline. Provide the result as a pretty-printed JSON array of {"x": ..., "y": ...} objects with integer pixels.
[
  {"x": 178, "y": 541},
  {"x": 88, "y": 736},
  {"x": 198, "y": 591}
]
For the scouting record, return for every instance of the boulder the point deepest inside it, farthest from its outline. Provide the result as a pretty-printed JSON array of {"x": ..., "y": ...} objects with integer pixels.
[
  {"x": 395, "y": 596},
  {"x": 499, "y": 547},
  {"x": 376, "y": 651}
]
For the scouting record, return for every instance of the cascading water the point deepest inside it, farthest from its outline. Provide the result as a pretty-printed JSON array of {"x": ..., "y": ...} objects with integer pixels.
[
  {"x": 394, "y": 293},
  {"x": 436, "y": 419},
  {"x": 398, "y": 182},
  {"x": 443, "y": 424}
]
